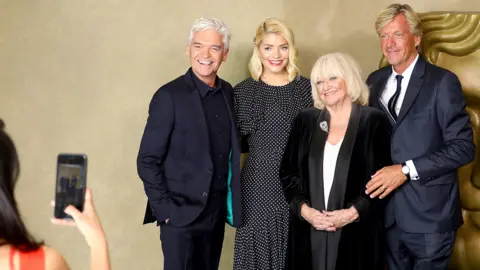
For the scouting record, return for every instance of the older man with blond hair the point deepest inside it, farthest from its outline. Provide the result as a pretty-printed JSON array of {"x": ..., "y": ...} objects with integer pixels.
[{"x": 432, "y": 138}]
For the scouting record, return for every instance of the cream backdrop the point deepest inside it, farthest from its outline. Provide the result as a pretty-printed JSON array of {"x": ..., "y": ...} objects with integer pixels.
[{"x": 77, "y": 76}]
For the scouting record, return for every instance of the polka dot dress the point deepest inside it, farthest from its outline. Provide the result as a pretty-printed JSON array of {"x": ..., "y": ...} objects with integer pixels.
[{"x": 264, "y": 116}]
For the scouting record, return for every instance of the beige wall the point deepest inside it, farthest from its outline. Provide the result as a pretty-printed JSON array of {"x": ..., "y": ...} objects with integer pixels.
[{"x": 77, "y": 76}]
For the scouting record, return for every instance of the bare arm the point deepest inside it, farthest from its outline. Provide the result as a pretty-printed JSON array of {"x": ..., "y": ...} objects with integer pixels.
[{"x": 89, "y": 225}]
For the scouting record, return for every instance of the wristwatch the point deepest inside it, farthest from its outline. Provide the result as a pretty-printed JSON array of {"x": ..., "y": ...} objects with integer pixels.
[{"x": 406, "y": 170}]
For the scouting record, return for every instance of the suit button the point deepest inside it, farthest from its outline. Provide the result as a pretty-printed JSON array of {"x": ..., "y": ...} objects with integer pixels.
[
  {"x": 396, "y": 151},
  {"x": 210, "y": 170},
  {"x": 204, "y": 194}
]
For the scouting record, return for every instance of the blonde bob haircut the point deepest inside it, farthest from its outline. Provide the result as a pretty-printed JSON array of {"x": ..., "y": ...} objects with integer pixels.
[
  {"x": 342, "y": 66},
  {"x": 388, "y": 14},
  {"x": 273, "y": 26}
]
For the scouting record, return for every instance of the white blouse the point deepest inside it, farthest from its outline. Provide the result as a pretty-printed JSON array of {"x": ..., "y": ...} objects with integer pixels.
[{"x": 330, "y": 155}]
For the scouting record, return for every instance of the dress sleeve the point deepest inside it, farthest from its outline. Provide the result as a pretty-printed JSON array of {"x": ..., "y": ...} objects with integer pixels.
[
  {"x": 242, "y": 103},
  {"x": 306, "y": 92}
]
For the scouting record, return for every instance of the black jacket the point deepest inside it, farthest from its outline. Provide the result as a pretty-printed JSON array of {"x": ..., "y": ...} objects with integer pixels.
[
  {"x": 174, "y": 160},
  {"x": 364, "y": 150}
]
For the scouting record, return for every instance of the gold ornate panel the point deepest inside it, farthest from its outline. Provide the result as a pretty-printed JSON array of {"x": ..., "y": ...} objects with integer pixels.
[{"x": 452, "y": 40}]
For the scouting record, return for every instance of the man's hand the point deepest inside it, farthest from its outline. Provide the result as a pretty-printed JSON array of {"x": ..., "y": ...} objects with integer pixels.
[
  {"x": 385, "y": 181},
  {"x": 342, "y": 217}
]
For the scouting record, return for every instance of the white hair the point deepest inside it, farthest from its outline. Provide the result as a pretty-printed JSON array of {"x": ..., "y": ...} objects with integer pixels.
[
  {"x": 205, "y": 23},
  {"x": 343, "y": 66}
]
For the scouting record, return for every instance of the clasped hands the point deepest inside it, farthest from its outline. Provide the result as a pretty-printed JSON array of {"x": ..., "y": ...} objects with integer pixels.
[{"x": 328, "y": 220}]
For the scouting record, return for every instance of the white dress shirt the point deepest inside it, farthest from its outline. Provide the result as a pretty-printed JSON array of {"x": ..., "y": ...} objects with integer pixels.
[
  {"x": 388, "y": 92},
  {"x": 330, "y": 155}
]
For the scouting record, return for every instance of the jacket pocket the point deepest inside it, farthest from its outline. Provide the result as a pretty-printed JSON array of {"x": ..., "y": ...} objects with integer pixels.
[{"x": 442, "y": 180}]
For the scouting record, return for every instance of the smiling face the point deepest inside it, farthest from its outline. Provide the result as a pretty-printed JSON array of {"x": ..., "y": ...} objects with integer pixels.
[
  {"x": 206, "y": 52},
  {"x": 274, "y": 52},
  {"x": 398, "y": 43},
  {"x": 332, "y": 91}
]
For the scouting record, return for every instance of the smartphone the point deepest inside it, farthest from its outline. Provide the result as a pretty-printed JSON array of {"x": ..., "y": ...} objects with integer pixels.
[{"x": 71, "y": 183}]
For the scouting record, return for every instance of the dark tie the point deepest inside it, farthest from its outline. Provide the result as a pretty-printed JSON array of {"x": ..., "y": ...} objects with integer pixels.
[{"x": 393, "y": 100}]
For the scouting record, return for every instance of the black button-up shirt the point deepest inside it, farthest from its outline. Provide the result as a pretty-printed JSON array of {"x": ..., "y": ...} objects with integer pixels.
[{"x": 219, "y": 130}]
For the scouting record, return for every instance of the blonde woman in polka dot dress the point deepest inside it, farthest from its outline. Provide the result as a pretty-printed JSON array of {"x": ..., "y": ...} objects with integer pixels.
[{"x": 266, "y": 104}]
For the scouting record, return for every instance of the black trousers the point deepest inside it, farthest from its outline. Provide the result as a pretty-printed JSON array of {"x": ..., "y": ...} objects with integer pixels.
[
  {"x": 418, "y": 251},
  {"x": 197, "y": 246}
]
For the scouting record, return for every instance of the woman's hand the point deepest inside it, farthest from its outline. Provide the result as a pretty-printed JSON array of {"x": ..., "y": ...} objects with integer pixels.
[
  {"x": 87, "y": 222},
  {"x": 343, "y": 217},
  {"x": 316, "y": 218}
]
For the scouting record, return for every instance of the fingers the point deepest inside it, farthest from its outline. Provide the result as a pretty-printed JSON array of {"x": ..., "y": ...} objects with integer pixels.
[
  {"x": 375, "y": 185},
  {"x": 315, "y": 212},
  {"x": 88, "y": 195},
  {"x": 386, "y": 192},
  {"x": 330, "y": 213},
  {"x": 323, "y": 222},
  {"x": 377, "y": 173},
  {"x": 324, "y": 227},
  {"x": 72, "y": 211},
  {"x": 63, "y": 222},
  {"x": 88, "y": 206},
  {"x": 377, "y": 192}
]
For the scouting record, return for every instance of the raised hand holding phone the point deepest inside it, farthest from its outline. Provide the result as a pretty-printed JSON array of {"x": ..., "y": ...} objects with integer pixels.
[
  {"x": 87, "y": 221},
  {"x": 89, "y": 225}
]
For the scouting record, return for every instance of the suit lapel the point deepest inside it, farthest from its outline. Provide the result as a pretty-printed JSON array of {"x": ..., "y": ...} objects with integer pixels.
[
  {"x": 315, "y": 161},
  {"x": 337, "y": 192},
  {"x": 414, "y": 86},
  {"x": 382, "y": 83},
  {"x": 227, "y": 97}
]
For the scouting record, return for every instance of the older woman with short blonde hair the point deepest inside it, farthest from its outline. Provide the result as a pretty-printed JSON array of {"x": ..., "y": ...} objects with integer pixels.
[{"x": 333, "y": 150}]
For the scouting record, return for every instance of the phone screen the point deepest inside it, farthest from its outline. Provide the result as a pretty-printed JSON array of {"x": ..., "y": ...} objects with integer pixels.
[{"x": 70, "y": 184}]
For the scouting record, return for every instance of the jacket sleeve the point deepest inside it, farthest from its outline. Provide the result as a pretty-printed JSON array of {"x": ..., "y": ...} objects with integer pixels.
[
  {"x": 153, "y": 149},
  {"x": 378, "y": 157},
  {"x": 292, "y": 182},
  {"x": 458, "y": 146}
]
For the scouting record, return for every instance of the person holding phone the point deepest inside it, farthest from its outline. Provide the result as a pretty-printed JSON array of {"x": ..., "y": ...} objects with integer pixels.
[{"x": 18, "y": 248}]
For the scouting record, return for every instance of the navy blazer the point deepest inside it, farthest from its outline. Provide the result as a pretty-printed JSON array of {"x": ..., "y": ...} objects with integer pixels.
[
  {"x": 433, "y": 129},
  {"x": 174, "y": 160}
]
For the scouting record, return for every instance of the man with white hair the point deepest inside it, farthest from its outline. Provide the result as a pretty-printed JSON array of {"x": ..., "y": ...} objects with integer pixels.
[{"x": 189, "y": 157}]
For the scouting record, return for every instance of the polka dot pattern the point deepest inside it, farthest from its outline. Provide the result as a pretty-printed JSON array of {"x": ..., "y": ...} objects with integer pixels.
[{"x": 264, "y": 116}]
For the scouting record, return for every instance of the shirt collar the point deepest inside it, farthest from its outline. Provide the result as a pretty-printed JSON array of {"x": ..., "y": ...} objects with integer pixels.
[
  {"x": 408, "y": 72},
  {"x": 203, "y": 87}
]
